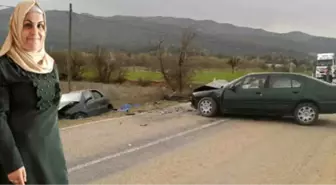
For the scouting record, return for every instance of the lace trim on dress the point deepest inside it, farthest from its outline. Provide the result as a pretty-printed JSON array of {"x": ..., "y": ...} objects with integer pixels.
[{"x": 47, "y": 88}]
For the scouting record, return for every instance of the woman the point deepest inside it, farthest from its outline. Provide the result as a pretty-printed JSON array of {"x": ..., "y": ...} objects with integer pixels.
[{"x": 30, "y": 145}]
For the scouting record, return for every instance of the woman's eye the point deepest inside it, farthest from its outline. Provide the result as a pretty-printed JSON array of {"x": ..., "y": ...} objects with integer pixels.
[
  {"x": 27, "y": 25},
  {"x": 40, "y": 26}
]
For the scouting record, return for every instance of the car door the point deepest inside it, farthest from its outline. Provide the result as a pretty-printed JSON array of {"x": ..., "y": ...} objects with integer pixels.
[
  {"x": 247, "y": 95},
  {"x": 90, "y": 103},
  {"x": 282, "y": 93},
  {"x": 101, "y": 102}
]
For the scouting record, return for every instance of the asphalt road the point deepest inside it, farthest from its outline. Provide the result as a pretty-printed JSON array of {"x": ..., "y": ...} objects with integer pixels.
[{"x": 179, "y": 146}]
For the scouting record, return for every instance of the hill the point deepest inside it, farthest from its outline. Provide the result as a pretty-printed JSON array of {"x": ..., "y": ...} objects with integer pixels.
[{"x": 140, "y": 33}]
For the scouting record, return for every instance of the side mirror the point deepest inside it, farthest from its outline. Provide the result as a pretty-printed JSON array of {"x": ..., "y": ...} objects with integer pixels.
[{"x": 233, "y": 88}]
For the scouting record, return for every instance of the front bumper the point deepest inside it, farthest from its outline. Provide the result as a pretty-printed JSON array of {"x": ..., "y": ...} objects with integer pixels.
[{"x": 193, "y": 102}]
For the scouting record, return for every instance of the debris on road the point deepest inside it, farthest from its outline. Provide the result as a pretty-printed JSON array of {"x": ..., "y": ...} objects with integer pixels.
[{"x": 127, "y": 107}]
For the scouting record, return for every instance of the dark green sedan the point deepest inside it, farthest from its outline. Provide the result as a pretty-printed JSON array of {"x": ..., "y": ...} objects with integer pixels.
[{"x": 273, "y": 94}]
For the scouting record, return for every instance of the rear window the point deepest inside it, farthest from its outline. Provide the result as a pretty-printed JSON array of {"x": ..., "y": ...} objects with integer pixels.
[{"x": 283, "y": 82}]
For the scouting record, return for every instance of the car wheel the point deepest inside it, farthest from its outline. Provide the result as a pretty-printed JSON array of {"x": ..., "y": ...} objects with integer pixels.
[
  {"x": 109, "y": 107},
  {"x": 79, "y": 115},
  {"x": 207, "y": 107},
  {"x": 306, "y": 114}
]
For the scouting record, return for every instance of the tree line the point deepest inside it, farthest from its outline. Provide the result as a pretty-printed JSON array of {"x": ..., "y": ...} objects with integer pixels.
[{"x": 177, "y": 64}]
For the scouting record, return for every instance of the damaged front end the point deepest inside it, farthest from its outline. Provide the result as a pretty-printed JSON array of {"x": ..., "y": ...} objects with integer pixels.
[
  {"x": 69, "y": 105},
  {"x": 64, "y": 112},
  {"x": 216, "y": 84},
  {"x": 208, "y": 90}
]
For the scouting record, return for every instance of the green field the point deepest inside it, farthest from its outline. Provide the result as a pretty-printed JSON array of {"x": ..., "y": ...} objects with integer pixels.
[{"x": 204, "y": 76}]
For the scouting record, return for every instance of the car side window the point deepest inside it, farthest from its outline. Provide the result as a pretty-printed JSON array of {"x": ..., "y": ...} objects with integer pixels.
[
  {"x": 96, "y": 95},
  {"x": 254, "y": 82},
  {"x": 87, "y": 95},
  {"x": 277, "y": 82},
  {"x": 280, "y": 82},
  {"x": 296, "y": 84}
]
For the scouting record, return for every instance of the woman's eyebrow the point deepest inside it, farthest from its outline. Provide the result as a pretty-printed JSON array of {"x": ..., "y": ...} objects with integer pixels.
[{"x": 32, "y": 21}]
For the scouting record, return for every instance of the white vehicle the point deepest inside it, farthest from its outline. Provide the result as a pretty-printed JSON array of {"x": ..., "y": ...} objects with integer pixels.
[{"x": 323, "y": 61}]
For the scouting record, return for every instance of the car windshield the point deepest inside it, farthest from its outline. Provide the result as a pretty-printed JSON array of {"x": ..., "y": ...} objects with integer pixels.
[
  {"x": 324, "y": 62},
  {"x": 236, "y": 80}
]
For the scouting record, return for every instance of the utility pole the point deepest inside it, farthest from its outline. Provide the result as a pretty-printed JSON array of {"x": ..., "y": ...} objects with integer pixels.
[{"x": 69, "y": 54}]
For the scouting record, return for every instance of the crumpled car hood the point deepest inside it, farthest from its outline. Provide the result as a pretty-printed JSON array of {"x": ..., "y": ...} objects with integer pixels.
[
  {"x": 63, "y": 104},
  {"x": 68, "y": 98},
  {"x": 216, "y": 84}
]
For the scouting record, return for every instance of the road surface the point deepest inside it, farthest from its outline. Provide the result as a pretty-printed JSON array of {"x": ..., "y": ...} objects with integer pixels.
[{"x": 179, "y": 146}]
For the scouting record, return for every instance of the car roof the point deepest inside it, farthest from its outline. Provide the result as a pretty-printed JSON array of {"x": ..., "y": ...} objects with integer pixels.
[
  {"x": 81, "y": 91},
  {"x": 277, "y": 73},
  {"x": 293, "y": 74},
  {"x": 269, "y": 73},
  {"x": 75, "y": 95}
]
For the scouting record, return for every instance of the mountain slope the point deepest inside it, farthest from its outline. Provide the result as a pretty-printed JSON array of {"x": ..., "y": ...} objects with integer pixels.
[{"x": 140, "y": 33}]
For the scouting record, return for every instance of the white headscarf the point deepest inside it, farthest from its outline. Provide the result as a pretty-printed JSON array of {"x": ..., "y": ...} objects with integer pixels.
[{"x": 37, "y": 62}]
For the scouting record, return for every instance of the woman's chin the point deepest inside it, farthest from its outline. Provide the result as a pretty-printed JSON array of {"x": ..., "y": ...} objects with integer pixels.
[{"x": 32, "y": 49}]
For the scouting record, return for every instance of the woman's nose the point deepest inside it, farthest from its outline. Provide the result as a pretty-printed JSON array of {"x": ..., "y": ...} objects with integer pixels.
[{"x": 34, "y": 30}]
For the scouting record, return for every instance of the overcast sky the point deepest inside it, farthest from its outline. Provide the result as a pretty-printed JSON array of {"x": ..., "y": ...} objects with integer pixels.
[{"x": 311, "y": 16}]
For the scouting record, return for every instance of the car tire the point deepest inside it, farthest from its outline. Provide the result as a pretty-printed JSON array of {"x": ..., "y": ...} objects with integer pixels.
[
  {"x": 306, "y": 114},
  {"x": 207, "y": 107},
  {"x": 110, "y": 107},
  {"x": 79, "y": 115}
]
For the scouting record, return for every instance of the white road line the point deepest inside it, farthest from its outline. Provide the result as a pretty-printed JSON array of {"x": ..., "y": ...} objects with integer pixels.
[{"x": 134, "y": 149}]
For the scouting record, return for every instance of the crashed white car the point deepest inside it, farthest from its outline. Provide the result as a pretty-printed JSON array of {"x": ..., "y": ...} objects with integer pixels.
[{"x": 83, "y": 103}]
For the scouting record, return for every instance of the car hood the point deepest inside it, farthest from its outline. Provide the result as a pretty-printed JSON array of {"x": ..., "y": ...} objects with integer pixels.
[
  {"x": 63, "y": 104},
  {"x": 216, "y": 84},
  {"x": 69, "y": 98}
]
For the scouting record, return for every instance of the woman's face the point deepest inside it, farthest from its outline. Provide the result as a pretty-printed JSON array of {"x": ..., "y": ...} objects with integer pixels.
[{"x": 33, "y": 32}]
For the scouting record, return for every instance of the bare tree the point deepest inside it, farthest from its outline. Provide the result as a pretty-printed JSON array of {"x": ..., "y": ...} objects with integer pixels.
[
  {"x": 160, "y": 55},
  {"x": 60, "y": 58},
  {"x": 103, "y": 62},
  {"x": 120, "y": 60},
  {"x": 78, "y": 62},
  {"x": 234, "y": 62},
  {"x": 187, "y": 37},
  {"x": 176, "y": 75}
]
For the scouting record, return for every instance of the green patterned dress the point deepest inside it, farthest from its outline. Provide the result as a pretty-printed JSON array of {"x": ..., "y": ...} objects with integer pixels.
[{"x": 29, "y": 132}]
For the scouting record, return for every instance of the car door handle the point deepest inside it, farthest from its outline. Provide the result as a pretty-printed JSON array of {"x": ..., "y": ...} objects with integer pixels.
[
  {"x": 295, "y": 92},
  {"x": 260, "y": 94}
]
